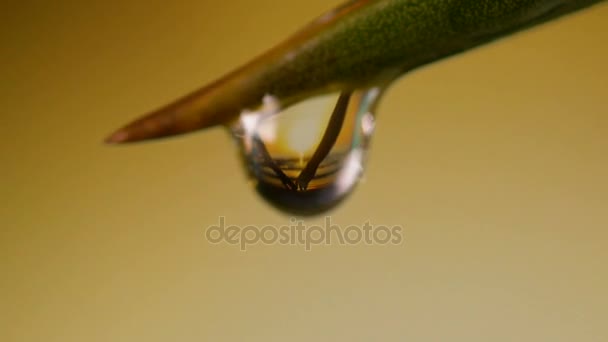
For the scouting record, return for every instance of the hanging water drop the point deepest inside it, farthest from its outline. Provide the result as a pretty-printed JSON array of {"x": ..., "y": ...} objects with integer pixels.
[{"x": 305, "y": 158}]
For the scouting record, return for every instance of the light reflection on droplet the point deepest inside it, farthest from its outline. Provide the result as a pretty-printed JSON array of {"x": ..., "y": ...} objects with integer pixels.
[{"x": 368, "y": 123}]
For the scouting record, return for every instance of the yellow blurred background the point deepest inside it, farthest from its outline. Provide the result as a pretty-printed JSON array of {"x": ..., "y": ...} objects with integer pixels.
[{"x": 494, "y": 162}]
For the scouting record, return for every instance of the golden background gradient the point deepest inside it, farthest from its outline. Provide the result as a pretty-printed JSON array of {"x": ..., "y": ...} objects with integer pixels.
[{"x": 495, "y": 163}]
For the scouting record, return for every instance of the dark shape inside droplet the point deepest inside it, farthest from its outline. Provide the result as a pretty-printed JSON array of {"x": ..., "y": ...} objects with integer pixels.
[{"x": 301, "y": 203}]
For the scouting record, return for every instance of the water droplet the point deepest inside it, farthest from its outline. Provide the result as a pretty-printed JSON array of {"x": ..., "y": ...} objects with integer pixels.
[{"x": 305, "y": 158}]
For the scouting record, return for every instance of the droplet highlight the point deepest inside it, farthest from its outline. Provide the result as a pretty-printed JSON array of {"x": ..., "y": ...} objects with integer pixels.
[{"x": 307, "y": 157}]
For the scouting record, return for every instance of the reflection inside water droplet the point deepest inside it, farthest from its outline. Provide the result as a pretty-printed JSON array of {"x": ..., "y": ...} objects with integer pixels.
[{"x": 307, "y": 157}]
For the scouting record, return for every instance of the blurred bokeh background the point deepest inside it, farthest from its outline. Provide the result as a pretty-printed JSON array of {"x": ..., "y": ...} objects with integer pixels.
[{"x": 494, "y": 162}]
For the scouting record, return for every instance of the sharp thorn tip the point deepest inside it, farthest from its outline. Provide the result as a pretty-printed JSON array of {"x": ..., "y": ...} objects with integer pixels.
[{"x": 118, "y": 137}]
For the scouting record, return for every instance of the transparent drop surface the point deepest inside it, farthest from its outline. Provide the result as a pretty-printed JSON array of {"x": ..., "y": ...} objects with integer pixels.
[{"x": 305, "y": 158}]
